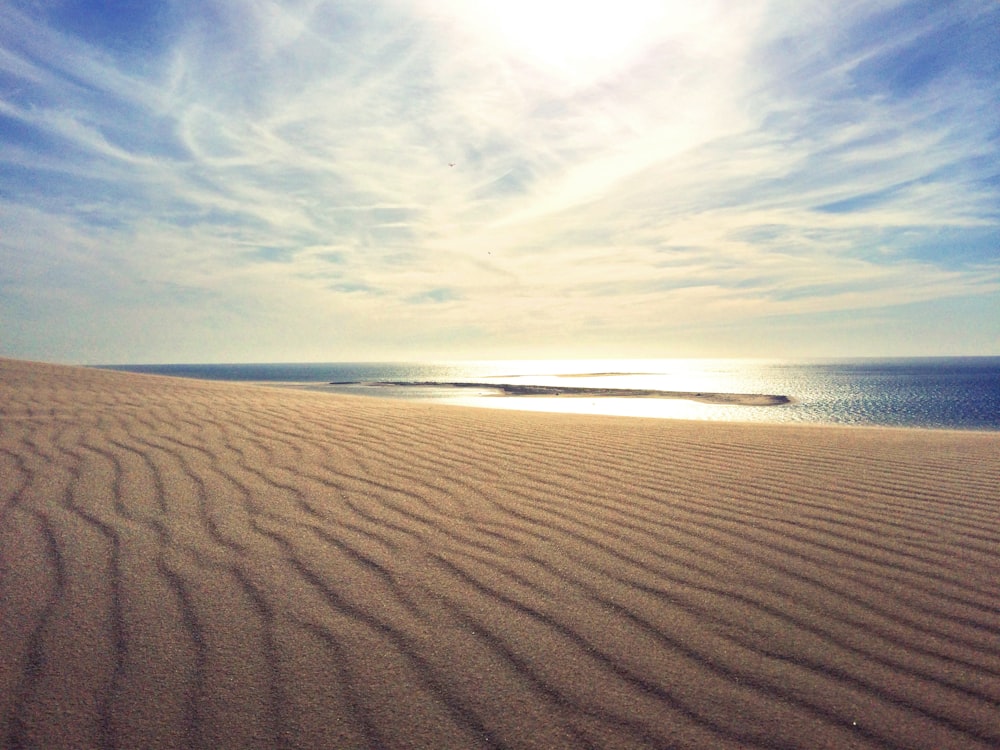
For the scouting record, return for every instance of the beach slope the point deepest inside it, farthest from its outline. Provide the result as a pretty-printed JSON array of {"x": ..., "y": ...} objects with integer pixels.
[{"x": 187, "y": 564}]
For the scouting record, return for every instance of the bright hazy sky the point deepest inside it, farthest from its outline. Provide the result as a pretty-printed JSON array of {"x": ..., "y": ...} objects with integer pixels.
[{"x": 249, "y": 180}]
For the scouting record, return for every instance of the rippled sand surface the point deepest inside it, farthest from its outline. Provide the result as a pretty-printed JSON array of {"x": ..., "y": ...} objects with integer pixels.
[{"x": 187, "y": 564}]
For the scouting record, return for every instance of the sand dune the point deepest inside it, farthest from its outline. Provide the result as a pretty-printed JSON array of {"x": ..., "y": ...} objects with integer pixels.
[{"x": 211, "y": 565}]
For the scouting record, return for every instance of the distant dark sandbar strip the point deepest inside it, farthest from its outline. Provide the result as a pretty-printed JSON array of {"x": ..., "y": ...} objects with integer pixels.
[
  {"x": 582, "y": 374},
  {"x": 510, "y": 389}
]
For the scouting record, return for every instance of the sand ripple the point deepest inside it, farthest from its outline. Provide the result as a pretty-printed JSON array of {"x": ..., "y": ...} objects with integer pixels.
[{"x": 210, "y": 565}]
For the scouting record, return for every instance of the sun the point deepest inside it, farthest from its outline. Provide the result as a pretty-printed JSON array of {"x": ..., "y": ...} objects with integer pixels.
[
  {"x": 577, "y": 39},
  {"x": 560, "y": 33}
]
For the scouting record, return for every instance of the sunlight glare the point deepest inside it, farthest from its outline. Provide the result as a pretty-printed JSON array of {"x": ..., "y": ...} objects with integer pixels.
[{"x": 580, "y": 41}]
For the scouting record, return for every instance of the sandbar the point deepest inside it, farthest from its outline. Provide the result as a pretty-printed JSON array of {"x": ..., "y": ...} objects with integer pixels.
[{"x": 519, "y": 389}]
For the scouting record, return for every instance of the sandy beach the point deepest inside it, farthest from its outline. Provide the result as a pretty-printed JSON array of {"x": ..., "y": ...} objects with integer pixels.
[{"x": 188, "y": 564}]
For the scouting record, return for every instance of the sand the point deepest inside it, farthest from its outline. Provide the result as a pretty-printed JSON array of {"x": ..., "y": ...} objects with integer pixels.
[{"x": 213, "y": 565}]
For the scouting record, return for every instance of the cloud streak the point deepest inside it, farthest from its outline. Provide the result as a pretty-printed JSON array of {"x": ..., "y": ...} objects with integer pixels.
[{"x": 406, "y": 179}]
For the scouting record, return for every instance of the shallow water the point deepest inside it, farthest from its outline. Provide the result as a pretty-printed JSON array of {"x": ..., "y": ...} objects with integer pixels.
[{"x": 956, "y": 393}]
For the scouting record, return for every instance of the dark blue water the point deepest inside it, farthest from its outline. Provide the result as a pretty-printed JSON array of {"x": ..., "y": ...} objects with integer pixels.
[{"x": 955, "y": 393}]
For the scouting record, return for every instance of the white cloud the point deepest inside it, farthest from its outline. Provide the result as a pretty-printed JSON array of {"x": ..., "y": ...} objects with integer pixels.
[{"x": 412, "y": 172}]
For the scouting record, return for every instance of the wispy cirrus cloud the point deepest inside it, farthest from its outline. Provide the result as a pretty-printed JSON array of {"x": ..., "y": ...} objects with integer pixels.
[{"x": 318, "y": 180}]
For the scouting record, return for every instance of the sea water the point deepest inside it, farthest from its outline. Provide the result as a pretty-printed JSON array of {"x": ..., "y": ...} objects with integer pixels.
[{"x": 954, "y": 393}]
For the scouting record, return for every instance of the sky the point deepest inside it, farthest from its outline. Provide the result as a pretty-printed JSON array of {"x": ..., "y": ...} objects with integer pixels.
[{"x": 412, "y": 180}]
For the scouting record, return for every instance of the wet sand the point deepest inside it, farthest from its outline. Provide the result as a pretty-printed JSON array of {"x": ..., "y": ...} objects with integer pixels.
[{"x": 188, "y": 564}]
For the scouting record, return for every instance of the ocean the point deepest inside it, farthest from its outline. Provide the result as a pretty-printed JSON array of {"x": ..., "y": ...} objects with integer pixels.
[{"x": 947, "y": 393}]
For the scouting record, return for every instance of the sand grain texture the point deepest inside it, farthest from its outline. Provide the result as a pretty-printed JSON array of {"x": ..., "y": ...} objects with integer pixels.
[{"x": 211, "y": 565}]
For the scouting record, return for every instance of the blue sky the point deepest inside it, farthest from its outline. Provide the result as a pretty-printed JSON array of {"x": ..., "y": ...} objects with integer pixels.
[{"x": 419, "y": 179}]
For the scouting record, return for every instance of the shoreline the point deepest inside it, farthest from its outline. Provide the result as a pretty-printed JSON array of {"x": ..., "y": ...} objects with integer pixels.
[
  {"x": 899, "y": 393},
  {"x": 204, "y": 564},
  {"x": 512, "y": 389}
]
